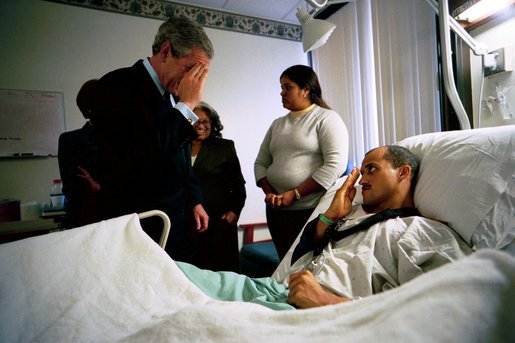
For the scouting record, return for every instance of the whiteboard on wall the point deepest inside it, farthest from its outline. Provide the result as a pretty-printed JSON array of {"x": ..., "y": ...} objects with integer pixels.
[{"x": 30, "y": 122}]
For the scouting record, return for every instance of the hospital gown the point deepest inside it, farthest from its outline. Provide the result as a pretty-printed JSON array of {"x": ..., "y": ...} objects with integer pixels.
[{"x": 384, "y": 256}]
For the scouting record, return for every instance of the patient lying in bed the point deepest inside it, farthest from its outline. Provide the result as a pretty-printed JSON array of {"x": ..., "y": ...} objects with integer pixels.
[{"x": 379, "y": 257}]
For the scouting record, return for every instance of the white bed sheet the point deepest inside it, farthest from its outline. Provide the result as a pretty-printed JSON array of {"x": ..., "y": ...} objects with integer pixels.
[{"x": 109, "y": 282}]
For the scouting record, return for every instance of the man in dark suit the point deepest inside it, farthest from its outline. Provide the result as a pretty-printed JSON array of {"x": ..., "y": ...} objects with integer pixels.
[{"x": 145, "y": 135}]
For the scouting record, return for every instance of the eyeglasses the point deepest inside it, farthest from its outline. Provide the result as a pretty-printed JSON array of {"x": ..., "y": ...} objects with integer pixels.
[{"x": 203, "y": 122}]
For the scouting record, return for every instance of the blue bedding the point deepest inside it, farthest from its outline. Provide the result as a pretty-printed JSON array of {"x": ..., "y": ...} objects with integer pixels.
[{"x": 229, "y": 286}]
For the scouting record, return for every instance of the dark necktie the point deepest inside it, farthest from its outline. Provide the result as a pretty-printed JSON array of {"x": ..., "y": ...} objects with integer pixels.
[{"x": 166, "y": 98}]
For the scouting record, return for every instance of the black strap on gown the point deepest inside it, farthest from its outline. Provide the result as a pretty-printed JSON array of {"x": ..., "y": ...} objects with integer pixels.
[{"x": 306, "y": 243}]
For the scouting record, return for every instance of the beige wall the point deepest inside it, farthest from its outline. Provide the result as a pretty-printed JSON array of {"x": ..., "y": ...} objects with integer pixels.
[{"x": 53, "y": 47}]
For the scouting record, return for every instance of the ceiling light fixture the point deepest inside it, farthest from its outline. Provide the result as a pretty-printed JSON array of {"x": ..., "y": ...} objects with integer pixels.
[
  {"x": 316, "y": 3},
  {"x": 482, "y": 9},
  {"x": 315, "y": 32}
]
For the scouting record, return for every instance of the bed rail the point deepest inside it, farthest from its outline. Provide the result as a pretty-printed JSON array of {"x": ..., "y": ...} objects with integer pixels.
[{"x": 166, "y": 224}]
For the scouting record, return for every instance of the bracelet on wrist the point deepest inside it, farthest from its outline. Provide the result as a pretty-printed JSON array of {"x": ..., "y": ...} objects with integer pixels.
[
  {"x": 325, "y": 219},
  {"x": 297, "y": 194}
]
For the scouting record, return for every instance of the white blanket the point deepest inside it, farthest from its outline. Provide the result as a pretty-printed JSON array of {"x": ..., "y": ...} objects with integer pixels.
[{"x": 109, "y": 282}]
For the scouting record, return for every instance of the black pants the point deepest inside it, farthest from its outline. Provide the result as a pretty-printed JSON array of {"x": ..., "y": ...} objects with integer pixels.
[
  {"x": 285, "y": 226},
  {"x": 217, "y": 247}
]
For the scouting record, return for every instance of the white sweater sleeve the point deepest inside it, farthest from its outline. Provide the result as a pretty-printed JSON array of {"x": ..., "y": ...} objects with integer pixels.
[
  {"x": 264, "y": 157},
  {"x": 334, "y": 142}
]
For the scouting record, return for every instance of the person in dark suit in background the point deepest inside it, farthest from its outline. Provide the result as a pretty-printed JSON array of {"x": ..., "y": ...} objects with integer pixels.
[
  {"x": 145, "y": 134},
  {"x": 78, "y": 158},
  {"x": 218, "y": 171}
]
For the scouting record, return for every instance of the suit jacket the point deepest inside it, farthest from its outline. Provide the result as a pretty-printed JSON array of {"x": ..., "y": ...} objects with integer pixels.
[
  {"x": 144, "y": 146},
  {"x": 78, "y": 148},
  {"x": 218, "y": 171}
]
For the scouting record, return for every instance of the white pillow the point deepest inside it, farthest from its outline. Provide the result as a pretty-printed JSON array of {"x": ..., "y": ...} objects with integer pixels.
[{"x": 466, "y": 179}]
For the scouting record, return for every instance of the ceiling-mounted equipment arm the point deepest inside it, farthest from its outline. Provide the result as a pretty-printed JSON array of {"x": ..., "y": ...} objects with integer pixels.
[
  {"x": 476, "y": 47},
  {"x": 448, "y": 77}
]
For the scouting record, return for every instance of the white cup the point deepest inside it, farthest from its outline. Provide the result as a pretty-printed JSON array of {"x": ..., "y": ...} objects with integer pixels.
[{"x": 57, "y": 200}]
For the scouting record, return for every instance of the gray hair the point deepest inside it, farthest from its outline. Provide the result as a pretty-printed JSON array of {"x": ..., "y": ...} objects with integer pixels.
[{"x": 183, "y": 34}]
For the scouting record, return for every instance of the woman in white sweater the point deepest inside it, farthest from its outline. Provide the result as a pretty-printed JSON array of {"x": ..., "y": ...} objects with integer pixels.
[{"x": 301, "y": 156}]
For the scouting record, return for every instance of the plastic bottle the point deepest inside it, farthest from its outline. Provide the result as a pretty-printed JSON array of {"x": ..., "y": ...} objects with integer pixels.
[{"x": 56, "y": 194}]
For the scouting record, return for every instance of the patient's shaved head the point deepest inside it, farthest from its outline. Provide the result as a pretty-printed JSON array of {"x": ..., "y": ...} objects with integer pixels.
[{"x": 401, "y": 156}]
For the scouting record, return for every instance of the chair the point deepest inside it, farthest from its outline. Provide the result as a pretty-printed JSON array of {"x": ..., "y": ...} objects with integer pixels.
[{"x": 257, "y": 258}]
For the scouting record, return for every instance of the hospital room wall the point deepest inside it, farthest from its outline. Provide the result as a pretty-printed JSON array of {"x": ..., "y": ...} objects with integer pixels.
[
  {"x": 54, "y": 47},
  {"x": 495, "y": 34}
]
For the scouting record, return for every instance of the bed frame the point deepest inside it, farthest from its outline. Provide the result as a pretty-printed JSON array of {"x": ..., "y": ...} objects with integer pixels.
[{"x": 166, "y": 224}]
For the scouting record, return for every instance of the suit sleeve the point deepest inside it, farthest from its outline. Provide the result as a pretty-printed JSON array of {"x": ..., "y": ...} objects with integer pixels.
[{"x": 235, "y": 180}]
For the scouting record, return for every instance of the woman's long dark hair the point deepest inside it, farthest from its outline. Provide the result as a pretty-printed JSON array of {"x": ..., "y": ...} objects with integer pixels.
[
  {"x": 216, "y": 124},
  {"x": 305, "y": 77}
]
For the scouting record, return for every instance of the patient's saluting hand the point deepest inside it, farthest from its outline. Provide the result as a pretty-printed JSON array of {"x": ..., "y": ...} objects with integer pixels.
[
  {"x": 306, "y": 292},
  {"x": 341, "y": 205}
]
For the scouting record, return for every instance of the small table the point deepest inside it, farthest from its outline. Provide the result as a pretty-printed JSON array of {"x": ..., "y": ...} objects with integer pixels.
[{"x": 12, "y": 231}]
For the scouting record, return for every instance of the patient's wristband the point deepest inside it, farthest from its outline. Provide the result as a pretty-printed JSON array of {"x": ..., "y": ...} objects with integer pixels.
[{"x": 325, "y": 219}]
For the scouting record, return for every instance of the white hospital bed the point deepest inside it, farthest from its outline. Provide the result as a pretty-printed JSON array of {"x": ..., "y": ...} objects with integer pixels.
[{"x": 110, "y": 282}]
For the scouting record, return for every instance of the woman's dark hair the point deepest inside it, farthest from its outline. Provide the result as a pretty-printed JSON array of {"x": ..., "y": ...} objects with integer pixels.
[
  {"x": 85, "y": 97},
  {"x": 216, "y": 124},
  {"x": 305, "y": 77}
]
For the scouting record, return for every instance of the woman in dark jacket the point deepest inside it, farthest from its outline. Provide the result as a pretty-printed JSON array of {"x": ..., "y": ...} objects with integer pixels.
[{"x": 218, "y": 172}]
